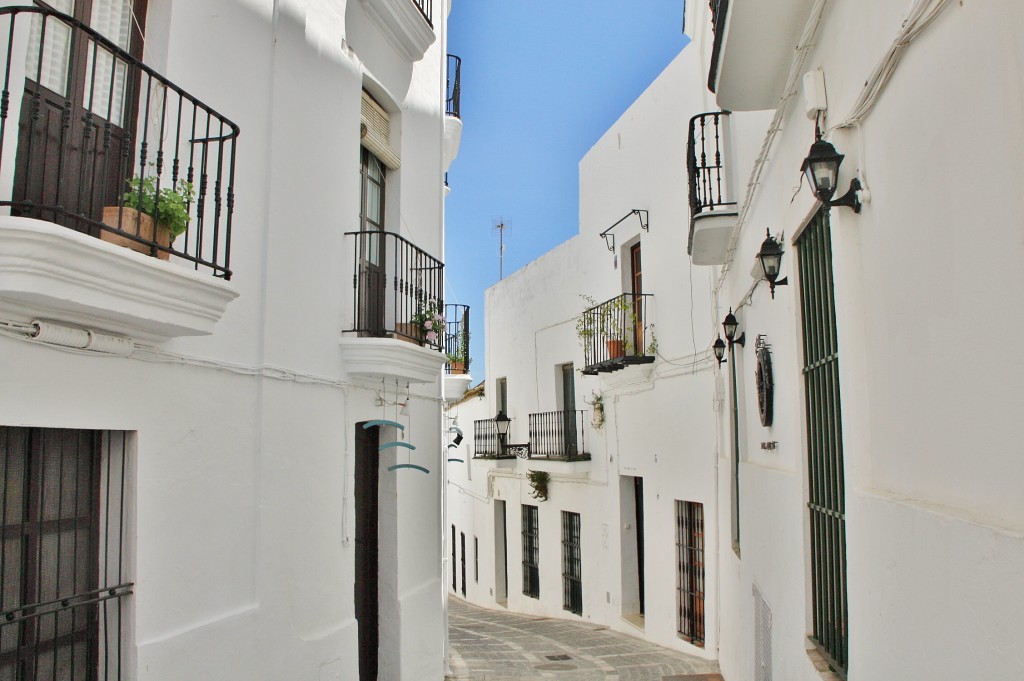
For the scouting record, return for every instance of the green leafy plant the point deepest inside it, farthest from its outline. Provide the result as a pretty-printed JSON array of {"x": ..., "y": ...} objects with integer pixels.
[
  {"x": 612, "y": 320},
  {"x": 461, "y": 351},
  {"x": 539, "y": 482},
  {"x": 170, "y": 209}
]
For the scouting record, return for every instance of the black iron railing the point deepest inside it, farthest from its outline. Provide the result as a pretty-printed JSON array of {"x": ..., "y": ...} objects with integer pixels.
[
  {"x": 397, "y": 290},
  {"x": 719, "y": 14},
  {"x": 558, "y": 435},
  {"x": 426, "y": 8},
  {"x": 453, "y": 88},
  {"x": 486, "y": 444},
  {"x": 616, "y": 333},
  {"x": 89, "y": 118},
  {"x": 709, "y": 190},
  {"x": 456, "y": 338}
]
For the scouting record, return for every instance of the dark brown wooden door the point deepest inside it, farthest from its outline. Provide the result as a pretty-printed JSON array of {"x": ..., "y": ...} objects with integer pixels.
[
  {"x": 636, "y": 272},
  {"x": 367, "y": 480},
  {"x": 74, "y": 147}
]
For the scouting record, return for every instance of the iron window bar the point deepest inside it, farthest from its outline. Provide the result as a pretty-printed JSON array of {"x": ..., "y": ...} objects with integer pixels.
[
  {"x": 485, "y": 441},
  {"x": 572, "y": 567},
  {"x": 558, "y": 435},
  {"x": 690, "y": 571},
  {"x": 531, "y": 551},
  {"x": 453, "y": 88},
  {"x": 79, "y": 173},
  {"x": 614, "y": 334},
  {"x": 609, "y": 238},
  {"x": 397, "y": 288}
]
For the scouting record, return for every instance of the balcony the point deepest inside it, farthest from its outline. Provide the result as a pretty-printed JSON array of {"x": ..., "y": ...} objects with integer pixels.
[
  {"x": 753, "y": 50},
  {"x": 486, "y": 444},
  {"x": 558, "y": 436},
  {"x": 456, "y": 348},
  {"x": 103, "y": 162},
  {"x": 616, "y": 334},
  {"x": 406, "y": 24},
  {"x": 713, "y": 213},
  {"x": 452, "y": 111},
  {"x": 398, "y": 309}
]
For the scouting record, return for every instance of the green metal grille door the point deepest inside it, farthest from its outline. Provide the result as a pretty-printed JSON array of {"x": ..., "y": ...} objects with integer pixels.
[{"x": 826, "y": 499}]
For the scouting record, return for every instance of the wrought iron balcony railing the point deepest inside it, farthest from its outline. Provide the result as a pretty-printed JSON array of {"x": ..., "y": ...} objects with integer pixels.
[
  {"x": 397, "y": 290},
  {"x": 616, "y": 333},
  {"x": 456, "y": 338},
  {"x": 426, "y": 8},
  {"x": 705, "y": 165},
  {"x": 453, "y": 87},
  {"x": 87, "y": 118},
  {"x": 486, "y": 444},
  {"x": 719, "y": 13},
  {"x": 558, "y": 435}
]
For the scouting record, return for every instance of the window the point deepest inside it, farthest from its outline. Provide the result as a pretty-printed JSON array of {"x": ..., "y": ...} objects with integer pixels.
[
  {"x": 826, "y": 500},
  {"x": 462, "y": 538},
  {"x": 572, "y": 569},
  {"x": 502, "y": 394},
  {"x": 690, "y": 571},
  {"x": 476, "y": 560},
  {"x": 455, "y": 577},
  {"x": 531, "y": 552},
  {"x": 64, "y": 573}
]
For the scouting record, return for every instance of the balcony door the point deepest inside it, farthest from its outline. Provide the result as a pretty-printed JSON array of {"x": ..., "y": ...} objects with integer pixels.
[
  {"x": 569, "y": 411},
  {"x": 636, "y": 278},
  {"x": 81, "y": 100},
  {"x": 372, "y": 272}
]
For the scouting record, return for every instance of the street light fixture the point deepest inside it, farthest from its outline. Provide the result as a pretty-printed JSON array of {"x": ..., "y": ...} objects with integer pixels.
[
  {"x": 822, "y": 170},
  {"x": 770, "y": 257},
  {"x": 502, "y": 422}
]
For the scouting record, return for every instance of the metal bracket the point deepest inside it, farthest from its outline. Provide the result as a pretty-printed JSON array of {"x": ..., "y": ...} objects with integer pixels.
[{"x": 609, "y": 238}]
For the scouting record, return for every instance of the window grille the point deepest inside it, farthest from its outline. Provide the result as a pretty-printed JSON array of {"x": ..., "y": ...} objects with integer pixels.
[
  {"x": 690, "y": 571},
  {"x": 62, "y": 603},
  {"x": 531, "y": 552},
  {"x": 572, "y": 569},
  {"x": 826, "y": 494},
  {"x": 462, "y": 538},
  {"x": 455, "y": 577},
  {"x": 476, "y": 560}
]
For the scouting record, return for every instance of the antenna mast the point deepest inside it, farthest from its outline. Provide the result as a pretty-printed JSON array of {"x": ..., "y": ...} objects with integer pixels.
[{"x": 499, "y": 224}]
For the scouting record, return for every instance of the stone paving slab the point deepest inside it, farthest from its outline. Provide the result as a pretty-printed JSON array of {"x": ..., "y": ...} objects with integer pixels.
[{"x": 496, "y": 645}]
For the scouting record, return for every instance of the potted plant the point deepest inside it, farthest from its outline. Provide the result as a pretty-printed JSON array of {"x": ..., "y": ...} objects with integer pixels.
[
  {"x": 615, "y": 321},
  {"x": 539, "y": 482},
  {"x": 426, "y": 325},
  {"x": 141, "y": 204},
  {"x": 597, "y": 402}
]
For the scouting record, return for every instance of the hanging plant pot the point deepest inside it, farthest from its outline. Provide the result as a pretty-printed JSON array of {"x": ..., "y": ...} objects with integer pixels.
[{"x": 539, "y": 482}]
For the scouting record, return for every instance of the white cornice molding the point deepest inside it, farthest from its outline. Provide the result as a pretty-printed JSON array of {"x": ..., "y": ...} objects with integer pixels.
[
  {"x": 54, "y": 273},
  {"x": 377, "y": 357},
  {"x": 403, "y": 26}
]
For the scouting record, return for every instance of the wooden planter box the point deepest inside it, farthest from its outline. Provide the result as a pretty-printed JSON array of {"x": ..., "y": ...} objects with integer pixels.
[
  {"x": 130, "y": 219},
  {"x": 409, "y": 332}
]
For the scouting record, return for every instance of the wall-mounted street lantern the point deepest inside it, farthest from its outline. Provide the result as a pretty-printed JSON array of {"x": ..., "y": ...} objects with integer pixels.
[
  {"x": 770, "y": 257},
  {"x": 502, "y": 422},
  {"x": 719, "y": 347},
  {"x": 822, "y": 170},
  {"x": 730, "y": 325}
]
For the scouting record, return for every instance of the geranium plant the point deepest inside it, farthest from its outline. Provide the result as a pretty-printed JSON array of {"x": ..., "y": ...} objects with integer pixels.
[{"x": 430, "y": 322}]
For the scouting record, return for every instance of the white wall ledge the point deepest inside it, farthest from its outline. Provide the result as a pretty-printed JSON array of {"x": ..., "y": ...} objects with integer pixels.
[
  {"x": 54, "y": 273},
  {"x": 402, "y": 25}
]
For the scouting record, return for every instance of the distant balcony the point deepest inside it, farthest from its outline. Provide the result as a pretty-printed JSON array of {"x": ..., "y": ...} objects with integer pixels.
[
  {"x": 103, "y": 159},
  {"x": 558, "y": 435},
  {"x": 753, "y": 49},
  {"x": 87, "y": 119},
  {"x": 397, "y": 291},
  {"x": 456, "y": 348},
  {"x": 486, "y": 444},
  {"x": 453, "y": 112},
  {"x": 713, "y": 213},
  {"x": 616, "y": 334}
]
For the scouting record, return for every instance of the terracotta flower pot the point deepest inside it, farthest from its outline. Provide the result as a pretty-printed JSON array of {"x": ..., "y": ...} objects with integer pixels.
[
  {"x": 133, "y": 222},
  {"x": 457, "y": 367}
]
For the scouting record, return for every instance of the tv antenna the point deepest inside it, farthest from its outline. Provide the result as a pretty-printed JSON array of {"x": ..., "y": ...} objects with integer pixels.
[{"x": 500, "y": 225}]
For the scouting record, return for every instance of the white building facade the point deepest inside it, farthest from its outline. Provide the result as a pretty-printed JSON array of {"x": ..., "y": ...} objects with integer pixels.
[
  {"x": 221, "y": 443},
  {"x": 879, "y": 527}
]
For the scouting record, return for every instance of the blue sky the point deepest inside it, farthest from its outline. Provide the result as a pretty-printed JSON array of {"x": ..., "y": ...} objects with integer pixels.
[{"x": 541, "y": 82}]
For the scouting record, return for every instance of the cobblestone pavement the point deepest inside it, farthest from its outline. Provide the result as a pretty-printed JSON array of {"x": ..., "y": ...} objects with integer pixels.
[{"x": 490, "y": 645}]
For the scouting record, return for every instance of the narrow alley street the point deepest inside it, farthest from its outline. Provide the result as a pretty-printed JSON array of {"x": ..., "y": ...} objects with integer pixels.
[{"x": 488, "y": 645}]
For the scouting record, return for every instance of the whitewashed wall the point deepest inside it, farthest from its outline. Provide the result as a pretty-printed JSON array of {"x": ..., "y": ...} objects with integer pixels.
[
  {"x": 926, "y": 278},
  {"x": 244, "y": 523}
]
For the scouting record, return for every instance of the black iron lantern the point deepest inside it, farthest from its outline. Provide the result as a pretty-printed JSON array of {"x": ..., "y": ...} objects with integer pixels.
[
  {"x": 730, "y": 325},
  {"x": 719, "y": 348},
  {"x": 502, "y": 423},
  {"x": 822, "y": 170},
  {"x": 770, "y": 257}
]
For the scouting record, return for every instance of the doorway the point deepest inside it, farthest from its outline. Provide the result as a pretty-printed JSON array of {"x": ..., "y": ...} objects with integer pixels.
[
  {"x": 367, "y": 481},
  {"x": 500, "y": 554}
]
